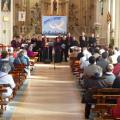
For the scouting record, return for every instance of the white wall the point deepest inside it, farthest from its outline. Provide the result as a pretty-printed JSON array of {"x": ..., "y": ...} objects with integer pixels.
[{"x": 6, "y": 27}]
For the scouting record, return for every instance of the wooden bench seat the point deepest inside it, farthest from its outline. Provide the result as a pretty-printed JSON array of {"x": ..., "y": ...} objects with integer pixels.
[
  {"x": 102, "y": 97},
  {"x": 21, "y": 69},
  {"x": 99, "y": 107},
  {"x": 3, "y": 101}
]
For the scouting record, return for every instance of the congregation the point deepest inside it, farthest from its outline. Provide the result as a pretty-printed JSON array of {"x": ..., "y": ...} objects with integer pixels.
[{"x": 98, "y": 65}]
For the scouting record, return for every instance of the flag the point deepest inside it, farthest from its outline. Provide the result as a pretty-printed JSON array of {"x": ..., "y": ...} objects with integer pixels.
[
  {"x": 22, "y": 16},
  {"x": 109, "y": 19}
]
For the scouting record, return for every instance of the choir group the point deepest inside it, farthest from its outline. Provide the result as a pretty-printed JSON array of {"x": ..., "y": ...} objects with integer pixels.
[{"x": 52, "y": 49}]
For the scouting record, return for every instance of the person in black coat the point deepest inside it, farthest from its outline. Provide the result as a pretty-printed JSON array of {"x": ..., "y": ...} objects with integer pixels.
[
  {"x": 69, "y": 39},
  {"x": 92, "y": 41},
  {"x": 116, "y": 83},
  {"x": 37, "y": 47},
  {"x": 65, "y": 47},
  {"x": 74, "y": 42},
  {"x": 33, "y": 39},
  {"x": 58, "y": 50},
  {"x": 83, "y": 40}
]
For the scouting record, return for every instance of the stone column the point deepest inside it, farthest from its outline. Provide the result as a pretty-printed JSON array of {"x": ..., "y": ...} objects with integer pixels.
[
  {"x": 101, "y": 19},
  {"x": 109, "y": 24}
]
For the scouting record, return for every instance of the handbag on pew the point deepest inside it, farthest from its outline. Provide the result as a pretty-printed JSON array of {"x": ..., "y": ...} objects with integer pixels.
[{"x": 115, "y": 111}]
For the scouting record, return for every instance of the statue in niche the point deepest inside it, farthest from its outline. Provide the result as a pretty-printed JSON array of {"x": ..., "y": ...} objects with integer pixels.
[{"x": 54, "y": 6}]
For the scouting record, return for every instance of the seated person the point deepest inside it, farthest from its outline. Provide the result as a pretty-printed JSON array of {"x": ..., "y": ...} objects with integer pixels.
[
  {"x": 93, "y": 79},
  {"x": 109, "y": 76},
  {"x": 116, "y": 69},
  {"x": 11, "y": 58},
  {"x": 103, "y": 62},
  {"x": 4, "y": 61},
  {"x": 22, "y": 58},
  {"x": 5, "y": 78},
  {"x": 116, "y": 83},
  {"x": 91, "y": 69},
  {"x": 30, "y": 53}
]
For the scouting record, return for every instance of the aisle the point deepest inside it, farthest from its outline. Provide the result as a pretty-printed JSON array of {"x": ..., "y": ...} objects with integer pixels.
[{"x": 48, "y": 95}]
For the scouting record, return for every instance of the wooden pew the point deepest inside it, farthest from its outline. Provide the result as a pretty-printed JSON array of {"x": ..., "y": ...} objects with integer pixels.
[
  {"x": 101, "y": 96},
  {"x": 102, "y": 106},
  {"x": 33, "y": 60},
  {"x": 3, "y": 102},
  {"x": 21, "y": 69},
  {"x": 17, "y": 80}
]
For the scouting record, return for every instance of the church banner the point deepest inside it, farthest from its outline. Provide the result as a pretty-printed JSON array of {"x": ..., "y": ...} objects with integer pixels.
[{"x": 54, "y": 25}]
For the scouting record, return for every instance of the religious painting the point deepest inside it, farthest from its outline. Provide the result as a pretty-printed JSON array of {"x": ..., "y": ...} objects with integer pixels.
[{"x": 5, "y": 5}]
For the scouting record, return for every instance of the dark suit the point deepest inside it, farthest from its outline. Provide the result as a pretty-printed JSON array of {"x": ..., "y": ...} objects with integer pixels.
[
  {"x": 92, "y": 42},
  {"x": 83, "y": 43}
]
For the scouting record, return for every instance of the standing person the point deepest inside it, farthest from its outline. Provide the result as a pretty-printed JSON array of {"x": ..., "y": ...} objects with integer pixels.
[
  {"x": 64, "y": 47},
  {"x": 83, "y": 40},
  {"x": 13, "y": 42},
  {"x": 18, "y": 42},
  {"x": 74, "y": 42},
  {"x": 58, "y": 50},
  {"x": 69, "y": 39},
  {"x": 45, "y": 50},
  {"x": 92, "y": 41},
  {"x": 33, "y": 40},
  {"x": 37, "y": 47}
]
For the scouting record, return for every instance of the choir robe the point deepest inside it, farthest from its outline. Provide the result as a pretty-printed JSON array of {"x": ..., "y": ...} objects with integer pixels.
[
  {"x": 45, "y": 54},
  {"x": 13, "y": 43},
  {"x": 83, "y": 43},
  {"x": 74, "y": 43},
  {"x": 33, "y": 41},
  {"x": 92, "y": 42},
  {"x": 37, "y": 46},
  {"x": 58, "y": 52},
  {"x": 69, "y": 41},
  {"x": 65, "y": 48}
]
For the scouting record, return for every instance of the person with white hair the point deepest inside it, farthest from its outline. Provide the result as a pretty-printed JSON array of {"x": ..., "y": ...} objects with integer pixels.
[
  {"x": 22, "y": 58},
  {"x": 109, "y": 76},
  {"x": 6, "y": 78},
  {"x": 86, "y": 53}
]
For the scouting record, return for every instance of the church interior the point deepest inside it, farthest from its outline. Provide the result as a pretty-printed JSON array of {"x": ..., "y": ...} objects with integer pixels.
[{"x": 59, "y": 60}]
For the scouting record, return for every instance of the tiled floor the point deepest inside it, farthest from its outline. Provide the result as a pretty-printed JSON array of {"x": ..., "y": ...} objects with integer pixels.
[{"x": 50, "y": 94}]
